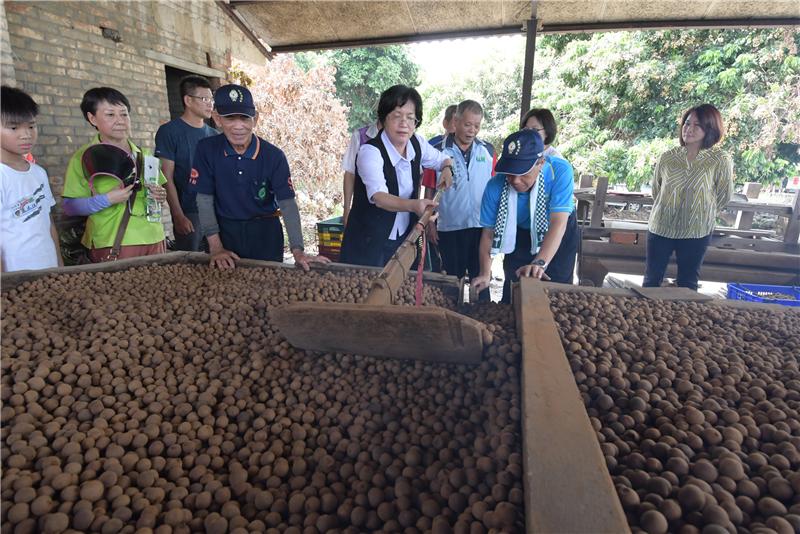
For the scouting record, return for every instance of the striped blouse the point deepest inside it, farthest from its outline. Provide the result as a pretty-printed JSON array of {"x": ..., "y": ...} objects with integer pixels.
[{"x": 688, "y": 195}]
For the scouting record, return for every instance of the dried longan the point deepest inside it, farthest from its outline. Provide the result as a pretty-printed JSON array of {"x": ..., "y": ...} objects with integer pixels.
[
  {"x": 689, "y": 402},
  {"x": 185, "y": 407}
]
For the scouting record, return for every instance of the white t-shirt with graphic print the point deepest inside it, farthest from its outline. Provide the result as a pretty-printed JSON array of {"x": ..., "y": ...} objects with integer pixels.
[{"x": 25, "y": 203}]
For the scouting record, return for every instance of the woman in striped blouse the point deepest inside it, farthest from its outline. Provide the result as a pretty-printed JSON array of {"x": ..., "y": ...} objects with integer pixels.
[{"x": 692, "y": 183}]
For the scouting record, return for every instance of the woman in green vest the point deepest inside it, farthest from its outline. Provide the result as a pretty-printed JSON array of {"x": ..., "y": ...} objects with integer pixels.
[{"x": 102, "y": 197}]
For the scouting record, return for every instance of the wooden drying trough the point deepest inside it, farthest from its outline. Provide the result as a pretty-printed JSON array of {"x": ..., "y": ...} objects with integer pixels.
[{"x": 567, "y": 486}]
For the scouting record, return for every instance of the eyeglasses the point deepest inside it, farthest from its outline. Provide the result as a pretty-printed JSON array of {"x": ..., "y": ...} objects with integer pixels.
[
  {"x": 535, "y": 129},
  {"x": 407, "y": 119},
  {"x": 204, "y": 99}
]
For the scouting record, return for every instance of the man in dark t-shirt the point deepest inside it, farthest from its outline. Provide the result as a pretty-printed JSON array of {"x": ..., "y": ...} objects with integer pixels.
[{"x": 175, "y": 145}]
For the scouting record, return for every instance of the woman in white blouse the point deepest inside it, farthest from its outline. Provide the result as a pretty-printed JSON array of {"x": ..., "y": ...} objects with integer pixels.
[{"x": 386, "y": 199}]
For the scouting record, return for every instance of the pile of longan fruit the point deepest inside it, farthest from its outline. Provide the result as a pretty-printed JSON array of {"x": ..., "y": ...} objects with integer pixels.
[
  {"x": 162, "y": 399},
  {"x": 696, "y": 407}
]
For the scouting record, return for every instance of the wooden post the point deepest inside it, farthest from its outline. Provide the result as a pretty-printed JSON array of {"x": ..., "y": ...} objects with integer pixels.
[
  {"x": 792, "y": 233},
  {"x": 527, "y": 67},
  {"x": 591, "y": 270},
  {"x": 744, "y": 219},
  {"x": 582, "y": 209},
  {"x": 752, "y": 190},
  {"x": 567, "y": 484},
  {"x": 599, "y": 202}
]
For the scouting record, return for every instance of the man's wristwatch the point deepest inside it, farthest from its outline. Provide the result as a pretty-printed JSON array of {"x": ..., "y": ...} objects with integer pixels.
[{"x": 540, "y": 262}]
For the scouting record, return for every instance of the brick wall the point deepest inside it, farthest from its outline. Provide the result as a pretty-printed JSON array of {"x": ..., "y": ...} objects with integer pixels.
[
  {"x": 56, "y": 51},
  {"x": 173, "y": 77},
  {"x": 6, "y": 60}
]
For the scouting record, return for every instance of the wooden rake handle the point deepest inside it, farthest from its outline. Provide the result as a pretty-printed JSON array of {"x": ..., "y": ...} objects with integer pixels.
[{"x": 397, "y": 268}]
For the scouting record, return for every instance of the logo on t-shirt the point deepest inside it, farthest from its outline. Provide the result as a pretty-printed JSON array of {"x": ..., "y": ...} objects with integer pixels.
[
  {"x": 29, "y": 206},
  {"x": 193, "y": 177}
]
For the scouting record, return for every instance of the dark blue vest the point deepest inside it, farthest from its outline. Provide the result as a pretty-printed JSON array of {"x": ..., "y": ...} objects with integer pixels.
[{"x": 368, "y": 226}]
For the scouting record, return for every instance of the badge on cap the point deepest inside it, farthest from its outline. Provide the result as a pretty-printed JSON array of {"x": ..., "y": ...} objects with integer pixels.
[
  {"x": 513, "y": 148},
  {"x": 236, "y": 95}
]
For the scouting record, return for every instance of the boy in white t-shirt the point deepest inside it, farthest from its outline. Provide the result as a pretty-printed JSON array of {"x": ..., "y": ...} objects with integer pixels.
[{"x": 28, "y": 236}]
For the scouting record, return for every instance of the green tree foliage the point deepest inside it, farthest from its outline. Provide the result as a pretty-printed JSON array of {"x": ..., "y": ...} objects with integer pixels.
[
  {"x": 494, "y": 81},
  {"x": 309, "y": 60},
  {"x": 618, "y": 97},
  {"x": 362, "y": 74}
]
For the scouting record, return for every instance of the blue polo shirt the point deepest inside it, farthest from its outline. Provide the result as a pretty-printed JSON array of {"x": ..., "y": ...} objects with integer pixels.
[
  {"x": 246, "y": 185},
  {"x": 558, "y": 186},
  {"x": 436, "y": 140}
]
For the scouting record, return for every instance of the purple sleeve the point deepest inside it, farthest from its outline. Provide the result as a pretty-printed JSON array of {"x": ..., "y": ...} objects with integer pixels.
[{"x": 86, "y": 205}]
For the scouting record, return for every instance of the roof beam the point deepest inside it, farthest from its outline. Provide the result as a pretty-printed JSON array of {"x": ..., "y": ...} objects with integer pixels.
[
  {"x": 632, "y": 25},
  {"x": 399, "y": 39},
  {"x": 243, "y": 25}
]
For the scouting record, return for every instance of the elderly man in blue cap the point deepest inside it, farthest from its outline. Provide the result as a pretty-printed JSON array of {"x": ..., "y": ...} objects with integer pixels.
[
  {"x": 528, "y": 214},
  {"x": 244, "y": 187}
]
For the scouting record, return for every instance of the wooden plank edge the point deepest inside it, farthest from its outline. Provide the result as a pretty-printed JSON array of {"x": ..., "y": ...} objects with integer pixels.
[
  {"x": 749, "y": 305},
  {"x": 709, "y": 271},
  {"x": 609, "y": 291},
  {"x": 671, "y": 293},
  {"x": 567, "y": 484},
  {"x": 744, "y": 256},
  {"x": 448, "y": 284},
  {"x": 612, "y": 197},
  {"x": 13, "y": 279},
  {"x": 552, "y": 287}
]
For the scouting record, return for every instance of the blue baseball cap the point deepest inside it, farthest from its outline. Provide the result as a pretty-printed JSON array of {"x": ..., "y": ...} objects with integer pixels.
[
  {"x": 521, "y": 151},
  {"x": 234, "y": 99}
]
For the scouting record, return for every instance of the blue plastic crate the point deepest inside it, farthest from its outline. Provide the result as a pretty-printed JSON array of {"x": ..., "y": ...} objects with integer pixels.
[{"x": 762, "y": 293}]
